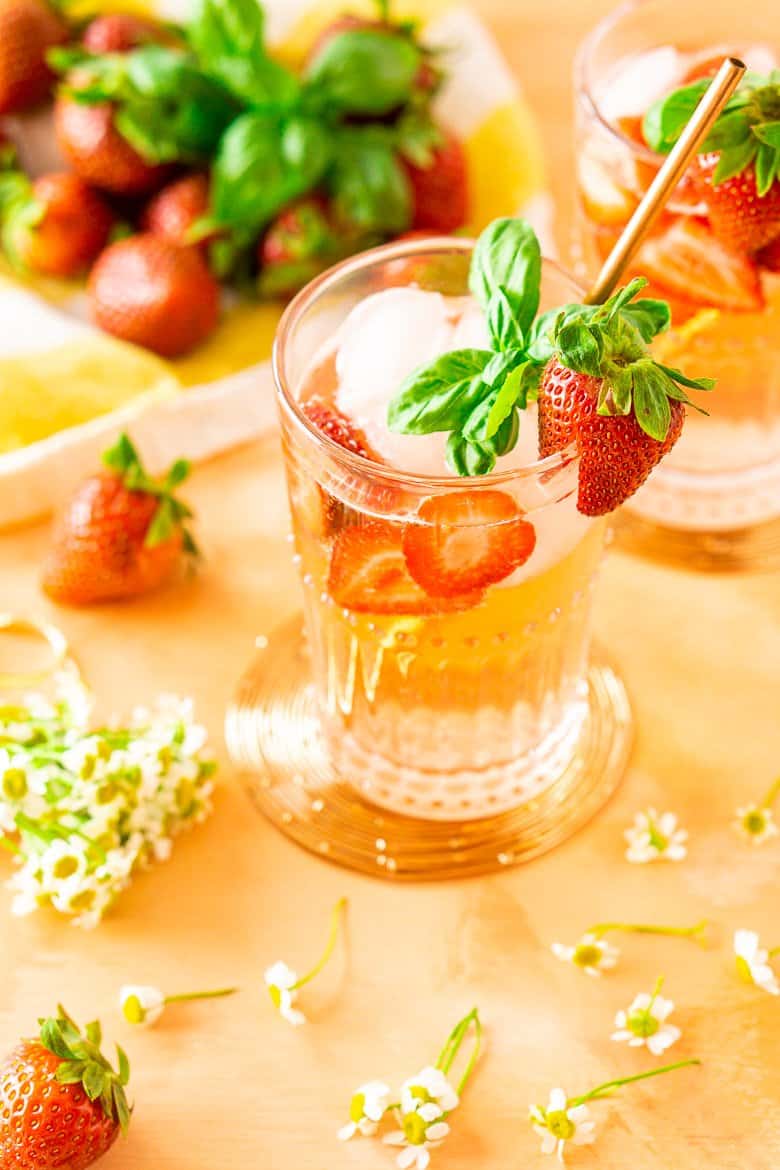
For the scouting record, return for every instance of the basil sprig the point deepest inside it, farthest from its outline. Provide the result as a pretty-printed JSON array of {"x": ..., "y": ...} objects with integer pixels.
[
  {"x": 477, "y": 394},
  {"x": 747, "y": 132}
]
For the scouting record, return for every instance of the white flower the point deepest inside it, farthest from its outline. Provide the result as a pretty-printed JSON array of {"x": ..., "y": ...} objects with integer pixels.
[
  {"x": 63, "y": 865},
  {"x": 422, "y": 1130},
  {"x": 653, "y": 838},
  {"x": 429, "y": 1085},
  {"x": 644, "y": 1023},
  {"x": 753, "y": 962},
  {"x": 560, "y": 1123},
  {"x": 366, "y": 1109},
  {"x": 591, "y": 954},
  {"x": 756, "y": 823},
  {"x": 426, "y": 1099},
  {"x": 280, "y": 981},
  {"x": 141, "y": 1004}
]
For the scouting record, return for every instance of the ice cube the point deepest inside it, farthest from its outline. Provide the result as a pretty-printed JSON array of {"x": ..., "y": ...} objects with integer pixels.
[
  {"x": 638, "y": 81},
  {"x": 471, "y": 331},
  {"x": 383, "y": 339}
]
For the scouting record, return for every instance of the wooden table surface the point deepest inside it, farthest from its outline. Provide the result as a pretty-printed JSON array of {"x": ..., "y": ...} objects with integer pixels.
[{"x": 232, "y": 1085}]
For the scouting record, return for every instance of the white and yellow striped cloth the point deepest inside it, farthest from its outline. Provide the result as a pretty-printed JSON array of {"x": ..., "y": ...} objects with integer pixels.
[{"x": 66, "y": 389}]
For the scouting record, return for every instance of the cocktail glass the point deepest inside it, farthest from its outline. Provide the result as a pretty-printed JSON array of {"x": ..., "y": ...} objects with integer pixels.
[
  {"x": 433, "y": 736},
  {"x": 715, "y": 502}
]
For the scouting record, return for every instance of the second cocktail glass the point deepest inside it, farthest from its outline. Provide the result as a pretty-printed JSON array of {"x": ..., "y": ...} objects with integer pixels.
[{"x": 715, "y": 503}]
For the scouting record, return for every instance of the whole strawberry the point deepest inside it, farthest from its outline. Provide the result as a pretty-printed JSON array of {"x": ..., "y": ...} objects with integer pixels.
[
  {"x": 173, "y": 212},
  {"x": 440, "y": 188},
  {"x": 738, "y": 176},
  {"x": 300, "y": 243},
  {"x": 153, "y": 293},
  {"x": 98, "y": 153},
  {"x": 62, "y": 1105},
  {"x": 741, "y": 219},
  {"x": 119, "y": 32},
  {"x": 28, "y": 28},
  {"x": 603, "y": 392},
  {"x": 121, "y": 534},
  {"x": 58, "y": 227}
]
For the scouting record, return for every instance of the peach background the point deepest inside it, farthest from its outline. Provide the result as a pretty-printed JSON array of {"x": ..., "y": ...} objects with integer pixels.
[{"x": 230, "y": 1084}]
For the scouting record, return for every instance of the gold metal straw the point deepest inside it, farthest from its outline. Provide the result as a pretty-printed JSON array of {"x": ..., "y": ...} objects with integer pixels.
[{"x": 723, "y": 85}]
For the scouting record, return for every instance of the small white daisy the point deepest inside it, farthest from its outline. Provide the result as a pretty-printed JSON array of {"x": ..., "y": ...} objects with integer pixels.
[
  {"x": 281, "y": 982},
  {"x": 141, "y": 1005},
  {"x": 429, "y": 1085},
  {"x": 560, "y": 1123},
  {"x": 591, "y": 954},
  {"x": 655, "y": 838},
  {"x": 422, "y": 1129},
  {"x": 755, "y": 823},
  {"x": 753, "y": 962},
  {"x": 366, "y": 1109},
  {"x": 644, "y": 1023}
]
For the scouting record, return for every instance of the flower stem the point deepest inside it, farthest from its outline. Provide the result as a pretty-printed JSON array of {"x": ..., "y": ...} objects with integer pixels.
[
  {"x": 189, "y": 995},
  {"x": 695, "y": 932},
  {"x": 335, "y": 917},
  {"x": 772, "y": 794},
  {"x": 452, "y": 1047},
  {"x": 655, "y": 992},
  {"x": 609, "y": 1086}
]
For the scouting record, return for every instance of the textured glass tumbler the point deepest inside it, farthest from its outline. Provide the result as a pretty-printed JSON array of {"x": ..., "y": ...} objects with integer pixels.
[
  {"x": 715, "y": 501},
  {"x": 459, "y": 737}
]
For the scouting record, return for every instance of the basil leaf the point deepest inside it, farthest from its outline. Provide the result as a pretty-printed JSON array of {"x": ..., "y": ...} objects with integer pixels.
[
  {"x": 441, "y": 395},
  {"x": 664, "y": 121},
  {"x": 264, "y": 163},
  {"x": 370, "y": 187},
  {"x": 513, "y": 393},
  {"x": 507, "y": 264},
  {"x": 363, "y": 71},
  {"x": 469, "y": 459},
  {"x": 228, "y": 37}
]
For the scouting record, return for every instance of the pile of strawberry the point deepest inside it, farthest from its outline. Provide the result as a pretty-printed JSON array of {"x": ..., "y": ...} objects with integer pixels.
[
  {"x": 196, "y": 157},
  {"x": 716, "y": 259}
]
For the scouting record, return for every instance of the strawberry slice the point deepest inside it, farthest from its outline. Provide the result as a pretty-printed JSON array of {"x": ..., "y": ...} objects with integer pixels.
[
  {"x": 369, "y": 574},
  {"x": 330, "y": 421},
  {"x": 466, "y": 540},
  {"x": 691, "y": 263}
]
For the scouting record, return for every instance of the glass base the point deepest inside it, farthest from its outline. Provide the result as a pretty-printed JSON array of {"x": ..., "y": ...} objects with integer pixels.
[
  {"x": 273, "y": 733},
  {"x": 737, "y": 550}
]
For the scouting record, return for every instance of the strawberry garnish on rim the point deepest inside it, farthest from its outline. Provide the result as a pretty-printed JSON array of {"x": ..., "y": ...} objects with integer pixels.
[
  {"x": 466, "y": 540},
  {"x": 369, "y": 574},
  {"x": 603, "y": 390},
  {"x": 737, "y": 174}
]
